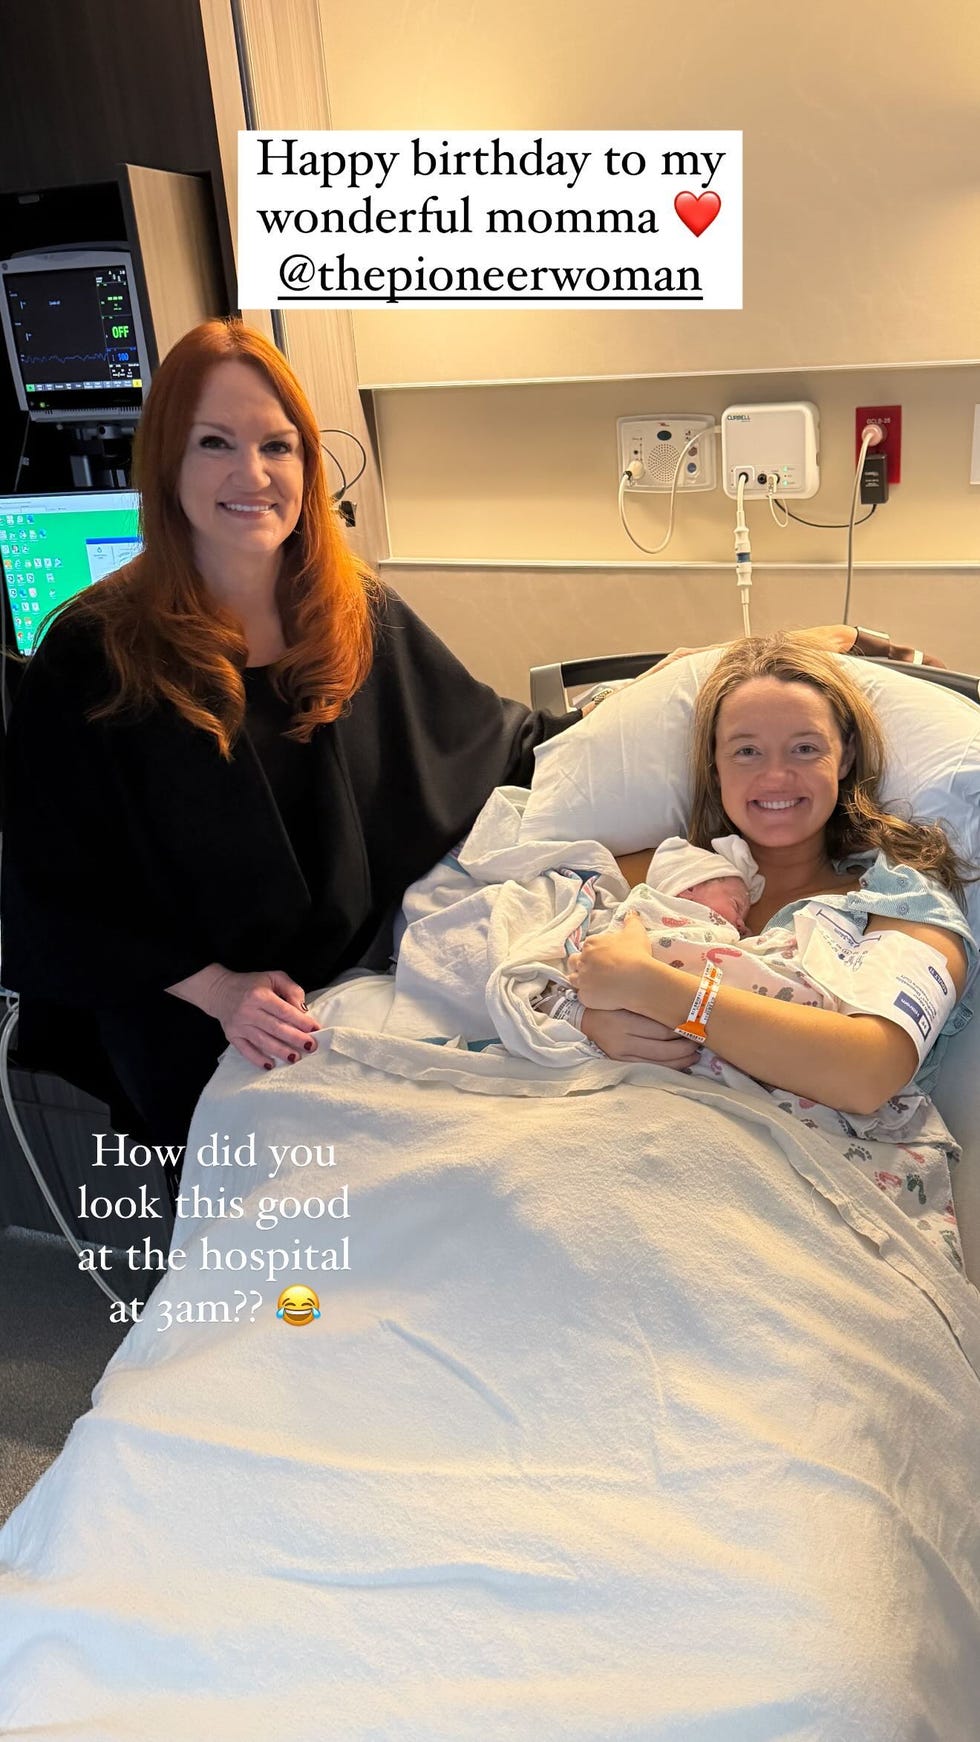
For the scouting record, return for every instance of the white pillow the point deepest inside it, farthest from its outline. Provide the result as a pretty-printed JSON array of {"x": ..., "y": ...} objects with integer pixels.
[{"x": 622, "y": 776}]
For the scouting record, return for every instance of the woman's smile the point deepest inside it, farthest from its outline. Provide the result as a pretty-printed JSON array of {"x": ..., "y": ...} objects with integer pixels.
[
  {"x": 780, "y": 761},
  {"x": 242, "y": 479}
]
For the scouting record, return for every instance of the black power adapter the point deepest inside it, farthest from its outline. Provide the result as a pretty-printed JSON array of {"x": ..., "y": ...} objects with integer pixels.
[{"x": 874, "y": 479}]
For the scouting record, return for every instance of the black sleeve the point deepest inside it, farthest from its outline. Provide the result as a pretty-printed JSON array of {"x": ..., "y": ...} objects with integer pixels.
[
  {"x": 453, "y": 713},
  {"x": 425, "y": 744},
  {"x": 83, "y": 922}
]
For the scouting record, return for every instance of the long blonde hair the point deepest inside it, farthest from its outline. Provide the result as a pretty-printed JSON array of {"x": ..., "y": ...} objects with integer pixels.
[
  {"x": 164, "y": 639},
  {"x": 859, "y": 823}
]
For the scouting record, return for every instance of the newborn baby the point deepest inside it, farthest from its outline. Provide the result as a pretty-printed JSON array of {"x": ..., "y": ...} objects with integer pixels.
[{"x": 726, "y": 880}]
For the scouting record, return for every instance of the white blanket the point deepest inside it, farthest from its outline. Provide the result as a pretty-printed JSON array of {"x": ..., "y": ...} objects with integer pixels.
[
  {"x": 639, "y": 1413},
  {"x": 488, "y": 929}
]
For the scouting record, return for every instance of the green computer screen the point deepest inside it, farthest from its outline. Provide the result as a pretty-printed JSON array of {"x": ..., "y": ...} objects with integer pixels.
[{"x": 54, "y": 546}]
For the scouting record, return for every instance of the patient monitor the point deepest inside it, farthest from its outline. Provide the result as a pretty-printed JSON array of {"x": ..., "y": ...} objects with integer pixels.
[{"x": 74, "y": 334}]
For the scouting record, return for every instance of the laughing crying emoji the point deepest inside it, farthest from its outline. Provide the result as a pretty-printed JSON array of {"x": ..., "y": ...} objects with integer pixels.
[{"x": 298, "y": 1305}]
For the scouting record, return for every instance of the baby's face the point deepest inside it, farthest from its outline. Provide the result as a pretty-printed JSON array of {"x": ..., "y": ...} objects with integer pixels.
[{"x": 726, "y": 896}]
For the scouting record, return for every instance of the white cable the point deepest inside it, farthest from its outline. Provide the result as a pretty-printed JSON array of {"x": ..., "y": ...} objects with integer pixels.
[
  {"x": 872, "y": 434},
  {"x": 627, "y": 477},
  {"x": 647, "y": 550},
  {"x": 773, "y": 485},
  {"x": 8, "y": 1029},
  {"x": 743, "y": 553}
]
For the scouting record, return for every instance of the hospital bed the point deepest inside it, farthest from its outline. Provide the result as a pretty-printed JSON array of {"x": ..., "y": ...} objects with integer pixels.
[
  {"x": 561, "y": 684},
  {"x": 638, "y": 1413}
]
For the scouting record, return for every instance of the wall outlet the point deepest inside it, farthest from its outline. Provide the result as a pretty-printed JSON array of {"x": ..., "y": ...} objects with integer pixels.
[
  {"x": 890, "y": 419},
  {"x": 656, "y": 442}
]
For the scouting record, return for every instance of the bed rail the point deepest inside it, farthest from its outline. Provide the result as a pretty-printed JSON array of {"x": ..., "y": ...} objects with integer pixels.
[{"x": 554, "y": 686}]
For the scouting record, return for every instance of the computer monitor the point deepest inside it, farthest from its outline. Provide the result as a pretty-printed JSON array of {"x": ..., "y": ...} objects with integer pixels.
[
  {"x": 74, "y": 335},
  {"x": 54, "y": 546}
]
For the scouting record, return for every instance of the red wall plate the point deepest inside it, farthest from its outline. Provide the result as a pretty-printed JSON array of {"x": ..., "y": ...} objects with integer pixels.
[{"x": 890, "y": 419}]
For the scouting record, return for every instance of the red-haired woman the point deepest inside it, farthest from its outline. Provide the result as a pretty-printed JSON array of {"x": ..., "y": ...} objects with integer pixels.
[{"x": 229, "y": 759}]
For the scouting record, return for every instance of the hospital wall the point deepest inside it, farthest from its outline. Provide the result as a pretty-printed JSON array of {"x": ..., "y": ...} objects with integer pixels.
[
  {"x": 861, "y": 197},
  {"x": 517, "y": 557},
  {"x": 496, "y": 431}
]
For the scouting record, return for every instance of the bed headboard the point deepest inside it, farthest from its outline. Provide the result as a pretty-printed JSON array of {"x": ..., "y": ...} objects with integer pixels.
[{"x": 554, "y": 686}]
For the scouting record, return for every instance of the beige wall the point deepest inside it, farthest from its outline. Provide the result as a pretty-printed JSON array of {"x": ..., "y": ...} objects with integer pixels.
[
  {"x": 531, "y": 472},
  {"x": 862, "y": 246},
  {"x": 862, "y": 202},
  {"x": 515, "y": 476},
  {"x": 502, "y": 620}
]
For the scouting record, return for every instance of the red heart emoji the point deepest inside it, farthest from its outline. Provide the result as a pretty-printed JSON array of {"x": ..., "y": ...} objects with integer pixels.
[{"x": 697, "y": 211}]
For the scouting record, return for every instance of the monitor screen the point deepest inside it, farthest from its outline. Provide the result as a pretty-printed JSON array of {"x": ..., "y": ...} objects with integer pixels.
[
  {"x": 53, "y": 546},
  {"x": 74, "y": 335}
]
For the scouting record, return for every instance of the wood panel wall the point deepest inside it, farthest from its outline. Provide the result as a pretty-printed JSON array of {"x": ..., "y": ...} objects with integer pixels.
[
  {"x": 288, "y": 79},
  {"x": 86, "y": 85}
]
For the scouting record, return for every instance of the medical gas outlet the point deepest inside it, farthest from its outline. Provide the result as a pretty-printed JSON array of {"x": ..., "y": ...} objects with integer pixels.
[
  {"x": 774, "y": 446},
  {"x": 656, "y": 444}
]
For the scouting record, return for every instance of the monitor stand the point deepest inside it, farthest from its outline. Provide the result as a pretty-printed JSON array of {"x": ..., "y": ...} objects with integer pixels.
[{"x": 100, "y": 456}]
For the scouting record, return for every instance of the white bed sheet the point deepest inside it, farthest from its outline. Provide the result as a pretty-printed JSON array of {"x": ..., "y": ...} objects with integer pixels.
[{"x": 639, "y": 1414}]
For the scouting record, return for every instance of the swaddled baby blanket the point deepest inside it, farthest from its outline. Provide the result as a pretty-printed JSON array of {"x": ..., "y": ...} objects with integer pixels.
[{"x": 489, "y": 928}]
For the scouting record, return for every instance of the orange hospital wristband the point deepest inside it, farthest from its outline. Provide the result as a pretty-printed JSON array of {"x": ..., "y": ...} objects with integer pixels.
[{"x": 695, "y": 1028}]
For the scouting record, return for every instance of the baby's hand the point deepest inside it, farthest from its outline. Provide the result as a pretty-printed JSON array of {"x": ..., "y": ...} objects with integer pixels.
[{"x": 606, "y": 970}]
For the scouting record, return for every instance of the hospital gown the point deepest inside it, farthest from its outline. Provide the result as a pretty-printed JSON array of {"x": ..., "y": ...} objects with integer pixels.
[{"x": 686, "y": 936}]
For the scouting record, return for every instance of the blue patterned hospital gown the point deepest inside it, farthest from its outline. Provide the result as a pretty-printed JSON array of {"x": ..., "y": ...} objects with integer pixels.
[{"x": 914, "y": 1167}]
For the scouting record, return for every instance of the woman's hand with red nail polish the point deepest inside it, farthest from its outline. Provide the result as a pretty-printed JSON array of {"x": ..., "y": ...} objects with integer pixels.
[{"x": 263, "y": 1015}]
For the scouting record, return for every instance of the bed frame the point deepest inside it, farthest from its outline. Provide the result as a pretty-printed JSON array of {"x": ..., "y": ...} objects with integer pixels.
[{"x": 554, "y": 686}]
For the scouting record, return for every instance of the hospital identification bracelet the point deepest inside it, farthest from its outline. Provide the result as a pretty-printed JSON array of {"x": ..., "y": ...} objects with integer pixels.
[{"x": 695, "y": 1028}]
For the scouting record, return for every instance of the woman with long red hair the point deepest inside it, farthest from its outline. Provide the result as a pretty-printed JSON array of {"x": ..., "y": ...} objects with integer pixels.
[{"x": 228, "y": 759}]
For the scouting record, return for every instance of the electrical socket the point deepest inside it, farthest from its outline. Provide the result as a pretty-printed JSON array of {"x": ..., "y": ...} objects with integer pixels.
[{"x": 890, "y": 419}]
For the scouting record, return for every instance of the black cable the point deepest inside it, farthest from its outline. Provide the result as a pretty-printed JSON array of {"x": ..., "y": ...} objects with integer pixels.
[
  {"x": 352, "y": 438},
  {"x": 336, "y": 494},
  {"x": 824, "y": 525}
]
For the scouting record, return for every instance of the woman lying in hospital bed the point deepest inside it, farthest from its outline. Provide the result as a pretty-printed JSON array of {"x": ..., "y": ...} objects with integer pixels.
[
  {"x": 787, "y": 749},
  {"x": 640, "y": 1410}
]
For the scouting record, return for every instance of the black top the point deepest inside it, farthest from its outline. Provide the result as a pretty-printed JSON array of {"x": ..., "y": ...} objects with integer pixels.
[
  {"x": 135, "y": 854},
  {"x": 288, "y": 766}
]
